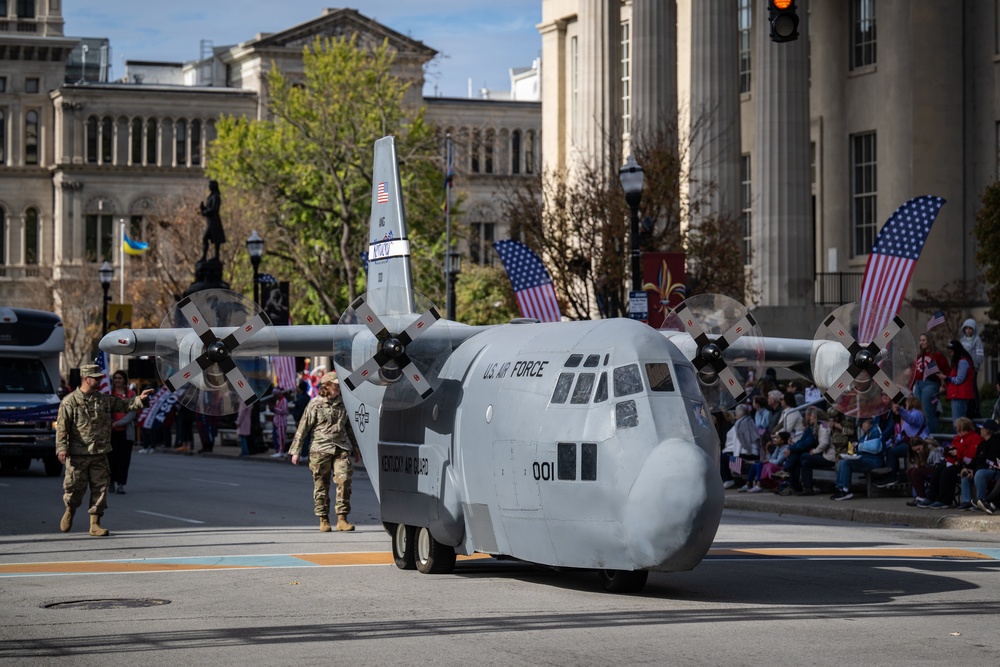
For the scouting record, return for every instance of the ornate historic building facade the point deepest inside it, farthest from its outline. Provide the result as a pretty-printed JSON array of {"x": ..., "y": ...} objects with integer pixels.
[
  {"x": 814, "y": 142},
  {"x": 80, "y": 154}
]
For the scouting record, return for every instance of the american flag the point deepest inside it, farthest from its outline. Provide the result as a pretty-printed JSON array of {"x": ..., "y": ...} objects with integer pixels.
[
  {"x": 102, "y": 363},
  {"x": 532, "y": 285},
  {"x": 383, "y": 193},
  {"x": 936, "y": 319},
  {"x": 891, "y": 262},
  {"x": 284, "y": 372},
  {"x": 736, "y": 466}
]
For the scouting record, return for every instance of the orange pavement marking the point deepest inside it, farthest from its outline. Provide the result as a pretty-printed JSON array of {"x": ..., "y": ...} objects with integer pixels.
[
  {"x": 363, "y": 558},
  {"x": 848, "y": 553}
]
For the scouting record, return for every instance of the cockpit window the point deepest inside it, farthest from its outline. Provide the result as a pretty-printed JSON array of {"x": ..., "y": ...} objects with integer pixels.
[
  {"x": 659, "y": 377},
  {"x": 627, "y": 380},
  {"x": 583, "y": 389},
  {"x": 563, "y": 384},
  {"x": 602, "y": 389},
  {"x": 626, "y": 414},
  {"x": 592, "y": 361},
  {"x": 574, "y": 360},
  {"x": 687, "y": 380}
]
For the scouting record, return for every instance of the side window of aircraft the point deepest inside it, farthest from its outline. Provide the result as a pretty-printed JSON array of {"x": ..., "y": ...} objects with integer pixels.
[
  {"x": 628, "y": 381},
  {"x": 583, "y": 389},
  {"x": 574, "y": 360},
  {"x": 659, "y": 377},
  {"x": 588, "y": 462},
  {"x": 687, "y": 380},
  {"x": 602, "y": 389},
  {"x": 626, "y": 415},
  {"x": 563, "y": 384},
  {"x": 566, "y": 461},
  {"x": 592, "y": 361}
]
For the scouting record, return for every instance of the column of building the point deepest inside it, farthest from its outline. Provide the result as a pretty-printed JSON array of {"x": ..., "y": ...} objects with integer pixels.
[
  {"x": 654, "y": 66},
  {"x": 600, "y": 83},
  {"x": 714, "y": 129},
  {"x": 783, "y": 244}
]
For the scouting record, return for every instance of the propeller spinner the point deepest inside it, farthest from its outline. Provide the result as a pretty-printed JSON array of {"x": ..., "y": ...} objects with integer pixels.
[{"x": 222, "y": 363}]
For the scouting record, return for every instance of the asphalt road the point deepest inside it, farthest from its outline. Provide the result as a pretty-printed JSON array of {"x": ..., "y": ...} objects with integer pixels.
[{"x": 216, "y": 561}]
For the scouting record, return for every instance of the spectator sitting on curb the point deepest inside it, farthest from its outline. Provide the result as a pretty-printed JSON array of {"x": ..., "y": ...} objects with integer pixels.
[
  {"x": 870, "y": 456},
  {"x": 941, "y": 492},
  {"x": 924, "y": 454},
  {"x": 911, "y": 424},
  {"x": 984, "y": 469},
  {"x": 742, "y": 442}
]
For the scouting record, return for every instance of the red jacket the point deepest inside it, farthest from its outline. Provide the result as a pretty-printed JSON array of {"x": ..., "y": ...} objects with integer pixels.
[
  {"x": 965, "y": 446},
  {"x": 964, "y": 390}
]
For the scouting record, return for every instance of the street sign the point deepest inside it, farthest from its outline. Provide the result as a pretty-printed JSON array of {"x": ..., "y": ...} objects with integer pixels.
[{"x": 638, "y": 305}]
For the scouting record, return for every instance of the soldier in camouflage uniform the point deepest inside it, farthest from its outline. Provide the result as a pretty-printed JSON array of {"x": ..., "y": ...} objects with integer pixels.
[
  {"x": 843, "y": 430},
  {"x": 330, "y": 452},
  {"x": 83, "y": 441}
]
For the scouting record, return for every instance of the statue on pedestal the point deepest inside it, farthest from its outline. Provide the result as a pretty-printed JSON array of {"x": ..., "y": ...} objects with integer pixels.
[{"x": 213, "y": 221}]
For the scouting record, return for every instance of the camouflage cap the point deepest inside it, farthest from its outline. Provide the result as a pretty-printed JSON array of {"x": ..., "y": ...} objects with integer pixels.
[
  {"x": 328, "y": 378},
  {"x": 91, "y": 371}
]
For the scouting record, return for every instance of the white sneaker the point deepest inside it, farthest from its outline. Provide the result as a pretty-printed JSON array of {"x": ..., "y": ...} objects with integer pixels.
[
  {"x": 755, "y": 489},
  {"x": 276, "y": 455},
  {"x": 743, "y": 489},
  {"x": 728, "y": 484}
]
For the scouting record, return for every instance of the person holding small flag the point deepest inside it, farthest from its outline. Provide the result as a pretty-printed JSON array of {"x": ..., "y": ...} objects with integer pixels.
[
  {"x": 971, "y": 341},
  {"x": 925, "y": 378}
]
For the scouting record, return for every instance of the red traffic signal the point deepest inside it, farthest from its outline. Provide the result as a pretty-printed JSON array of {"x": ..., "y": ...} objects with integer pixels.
[{"x": 784, "y": 20}]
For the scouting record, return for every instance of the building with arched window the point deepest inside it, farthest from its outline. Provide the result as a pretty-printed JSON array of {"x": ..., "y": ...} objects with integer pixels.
[{"x": 81, "y": 155}]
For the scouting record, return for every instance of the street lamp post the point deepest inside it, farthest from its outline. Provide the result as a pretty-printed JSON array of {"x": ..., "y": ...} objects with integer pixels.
[
  {"x": 631, "y": 177},
  {"x": 452, "y": 267},
  {"x": 255, "y": 248},
  {"x": 107, "y": 274}
]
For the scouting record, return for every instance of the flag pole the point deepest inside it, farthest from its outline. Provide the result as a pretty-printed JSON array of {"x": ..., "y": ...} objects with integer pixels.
[
  {"x": 121, "y": 254},
  {"x": 449, "y": 276}
]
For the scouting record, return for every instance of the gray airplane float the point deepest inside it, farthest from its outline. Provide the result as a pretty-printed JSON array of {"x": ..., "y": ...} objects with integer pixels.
[{"x": 573, "y": 444}]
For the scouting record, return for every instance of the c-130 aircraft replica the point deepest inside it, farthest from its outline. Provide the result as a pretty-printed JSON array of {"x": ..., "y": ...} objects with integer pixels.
[{"x": 585, "y": 445}]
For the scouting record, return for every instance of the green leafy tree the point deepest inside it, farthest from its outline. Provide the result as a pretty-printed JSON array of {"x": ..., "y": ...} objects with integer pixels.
[
  {"x": 483, "y": 295},
  {"x": 309, "y": 168}
]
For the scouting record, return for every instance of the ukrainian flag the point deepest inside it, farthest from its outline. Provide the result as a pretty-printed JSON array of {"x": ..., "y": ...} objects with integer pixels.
[{"x": 130, "y": 247}]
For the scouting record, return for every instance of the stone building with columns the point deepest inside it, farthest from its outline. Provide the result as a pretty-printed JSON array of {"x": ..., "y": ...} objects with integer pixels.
[
  {"x": 79, "y": 153},
  {"x": 814, "y": 142}
]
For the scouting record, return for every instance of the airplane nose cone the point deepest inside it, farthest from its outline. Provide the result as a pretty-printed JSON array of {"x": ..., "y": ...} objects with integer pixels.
[{"x": 674, "y": 508}]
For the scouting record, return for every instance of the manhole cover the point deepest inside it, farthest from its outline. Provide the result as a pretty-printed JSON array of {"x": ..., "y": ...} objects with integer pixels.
[{"x": 119, "y": 603}]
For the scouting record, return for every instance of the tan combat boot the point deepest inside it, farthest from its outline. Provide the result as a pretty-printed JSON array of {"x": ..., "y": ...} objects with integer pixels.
[
  {"x": 342, "y": 523},
  {"x": 67, "y": 520},
  {"x": 324, "y": 524},
  {"x": 95, "y": 527}
]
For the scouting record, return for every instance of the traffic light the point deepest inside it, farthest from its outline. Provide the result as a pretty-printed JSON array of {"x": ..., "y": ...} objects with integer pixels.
[{"x": 784, "y": 20}]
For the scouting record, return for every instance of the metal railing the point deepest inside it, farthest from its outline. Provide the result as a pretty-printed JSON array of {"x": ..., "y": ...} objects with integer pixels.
[{"x": 836, "y": 289}]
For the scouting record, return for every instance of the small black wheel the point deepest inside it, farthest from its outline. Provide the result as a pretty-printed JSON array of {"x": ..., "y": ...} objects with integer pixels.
[
  {"x": 622, "y": 581},
  {"x": 402, "y": 546},
  {"x": 52, "y": 466},
  {"x": 431, "y": 556}
]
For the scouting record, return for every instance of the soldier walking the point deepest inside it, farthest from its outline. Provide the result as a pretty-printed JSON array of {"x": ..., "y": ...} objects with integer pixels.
[
  {"x": 83, "y": 441},
  {"x": 325, "y": 418}
]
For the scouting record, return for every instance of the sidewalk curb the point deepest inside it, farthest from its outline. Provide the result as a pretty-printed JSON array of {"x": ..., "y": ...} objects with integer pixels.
[{"x": 843, "y": 511}]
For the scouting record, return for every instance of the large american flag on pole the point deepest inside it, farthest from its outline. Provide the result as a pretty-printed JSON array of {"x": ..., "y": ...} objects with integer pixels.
[
  {"x": 536, "y": 297},
  {"x": 891, "y": 262}
]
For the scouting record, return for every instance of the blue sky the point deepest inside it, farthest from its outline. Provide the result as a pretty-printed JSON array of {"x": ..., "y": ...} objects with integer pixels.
[{"x": 480, "y": 39}]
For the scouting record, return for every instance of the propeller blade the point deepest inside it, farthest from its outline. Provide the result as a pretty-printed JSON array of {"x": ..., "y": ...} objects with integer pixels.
[
  {"x": 891, "y": 389},
  {"x": 888, "y": 333},
  {"x": 419, "y": 325},
  {"x": 238, "y": 381},
  {"x": 691, "y": 325},
  {"x": 242, "y": 333},
  {"x": 188, "y": 373},
  {"x": 364, "y": 372},
  {"x": 415, "y": 377},
  {"x": 841, "y": 386},
  {"x": 732, "y": 383},
  {"x": 736, "y": 331},
  {"x": 370, "y": 319},
  {"x": 197, "y": 321}
]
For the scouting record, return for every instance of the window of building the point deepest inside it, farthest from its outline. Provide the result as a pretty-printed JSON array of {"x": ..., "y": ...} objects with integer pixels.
[
  {"x": 196, "y": 143},
  {"x": 3, "y": 240},
  {"x": 31, "y": 137},
  {"x": 529, "y": 152},
  {"x": 98, "y": 237},
  {"x": 3, "y": 137},
  {"x": 107, "y": 141},
  {"x": 474, "y": 151},
  {"x": 626, "y": 80},
  {"x": 515, "y": 152},
  {"x": 3, "y": 8},
  {"x": 3, "y": 84},
  {"x": 92, "y": 139},
  {"x": 25, "y": 9},
  {"x": 746, "y": 197},
  {"x": 136, "y": 139},
  {"x": 491, "y": 138},
  {"x": 31, "y": 236},
  {"x": 864, "y": 186},
  {"x": 862, "y": 33},
  {"x": 481, "y": 252},
  {"x": 180, "y": 139},
  {"x": 151, "y": 136},
  {"x": 745, "y": 18},
  {"x": 31, "y": 85}
]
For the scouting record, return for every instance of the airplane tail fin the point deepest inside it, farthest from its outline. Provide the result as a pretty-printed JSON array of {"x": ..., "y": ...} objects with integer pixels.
[{"x": 390, "y": 283}]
